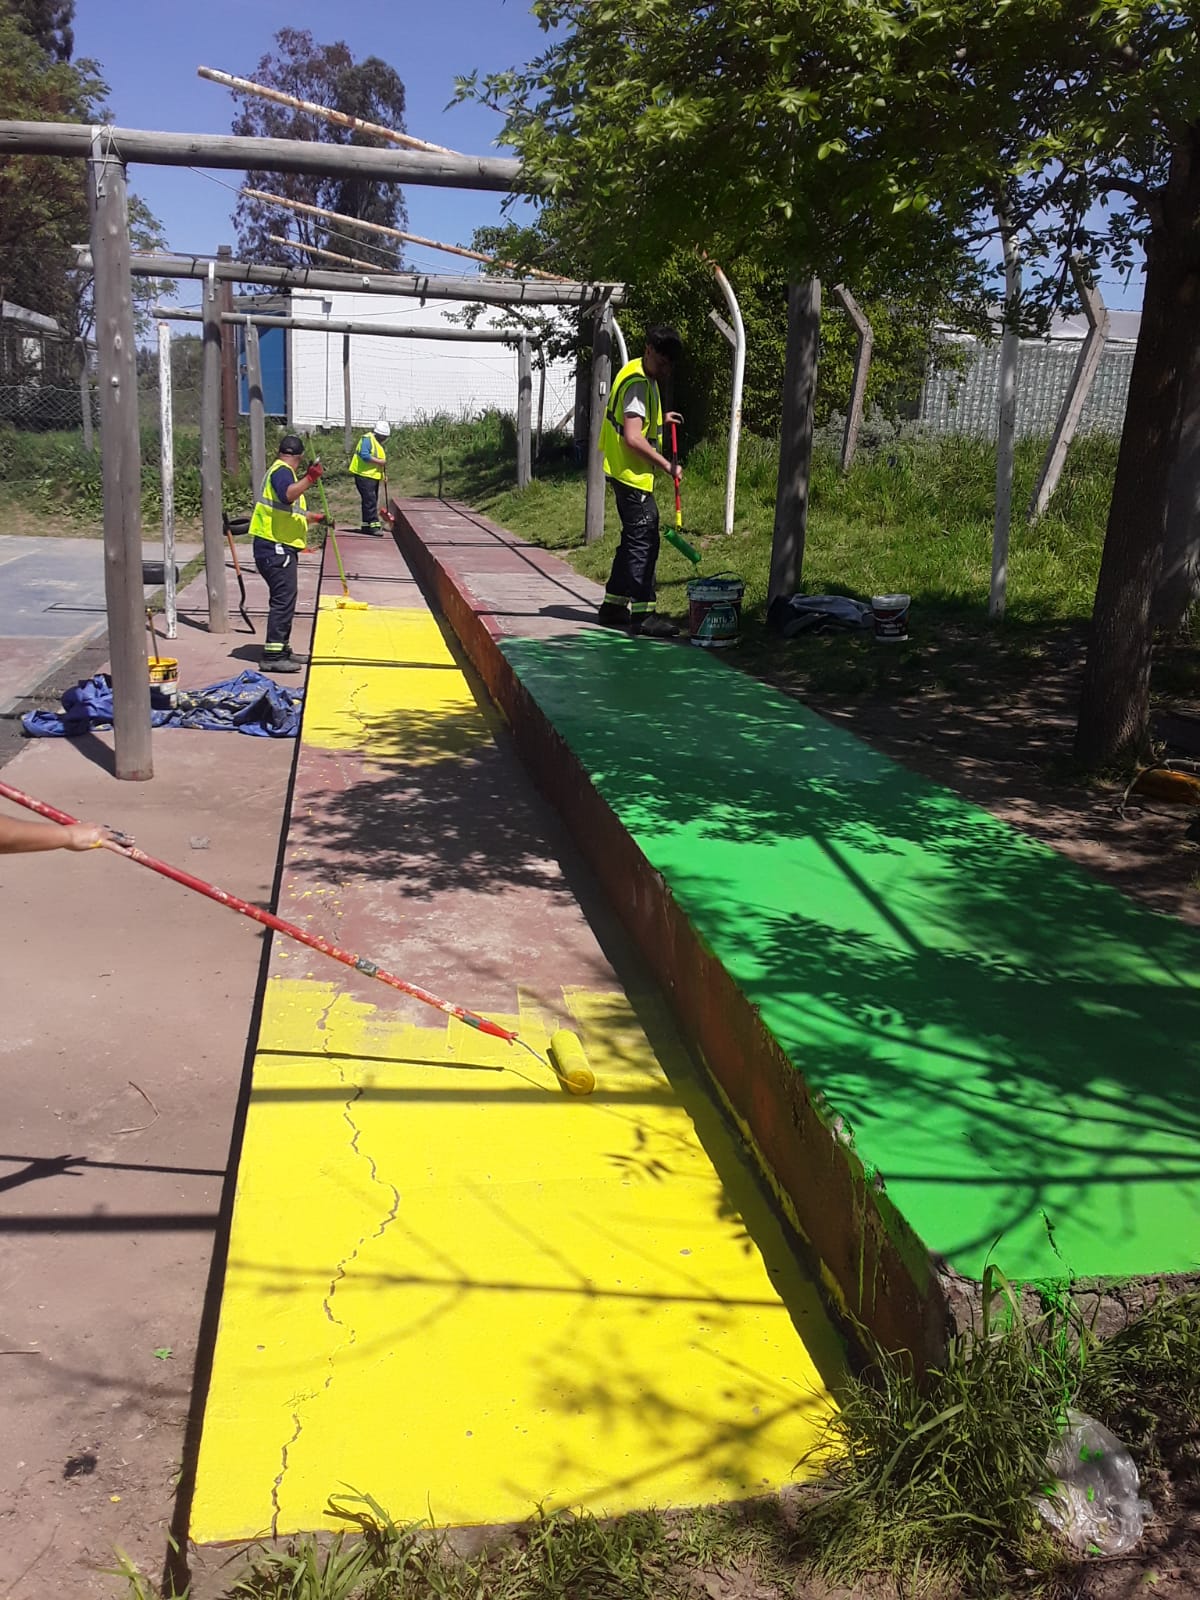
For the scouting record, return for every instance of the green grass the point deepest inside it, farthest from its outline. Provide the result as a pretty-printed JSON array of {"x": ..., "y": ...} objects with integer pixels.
[{"x": 913, "y": 515}]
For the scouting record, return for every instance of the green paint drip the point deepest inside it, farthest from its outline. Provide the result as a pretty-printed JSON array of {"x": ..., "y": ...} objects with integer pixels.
[{"x": 1009, "y": 1039}]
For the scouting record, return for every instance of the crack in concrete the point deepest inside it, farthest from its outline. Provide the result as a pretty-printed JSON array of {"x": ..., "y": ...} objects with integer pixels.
[
  {"x": 343, "y": 1266},
  {"x": 283, "y": 1463}
]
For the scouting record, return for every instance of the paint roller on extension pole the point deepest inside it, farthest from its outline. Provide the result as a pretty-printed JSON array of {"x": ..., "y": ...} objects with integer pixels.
[
  {"x": 344, "y": 602},
  {"x": 567, "y": 1060}
]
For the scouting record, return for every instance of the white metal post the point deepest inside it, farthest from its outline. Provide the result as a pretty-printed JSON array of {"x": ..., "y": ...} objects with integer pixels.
[
  {"x": 622, "y": 349},
  {"x": 735, "y": 404},
  {"x": 166, "y": 430}
]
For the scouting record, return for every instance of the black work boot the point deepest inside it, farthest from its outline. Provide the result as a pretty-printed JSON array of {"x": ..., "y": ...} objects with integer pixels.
[
  {"x": 652, "y": 626},
  {"x": 277, "y": 661},
  {"x": 611, "y": 616}
]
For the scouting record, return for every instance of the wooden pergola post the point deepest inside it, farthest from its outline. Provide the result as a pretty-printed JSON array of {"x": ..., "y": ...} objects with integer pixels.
[
  {"x": 256, "y": 408},
  {"x": 210, "y": 460},
  {"x": 121, "y": 460},
  {"x": 795, "y": 439}
]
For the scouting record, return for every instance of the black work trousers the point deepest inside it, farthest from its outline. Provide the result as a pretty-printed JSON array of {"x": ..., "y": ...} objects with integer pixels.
[
  {"x": 632, "y": 575},
  {"x": 368, "y": 494},
  {"x": 279, "y": 565}
]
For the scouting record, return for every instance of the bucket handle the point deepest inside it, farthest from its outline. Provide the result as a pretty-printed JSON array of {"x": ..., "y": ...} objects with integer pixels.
[{"x": 712, "y": 577}]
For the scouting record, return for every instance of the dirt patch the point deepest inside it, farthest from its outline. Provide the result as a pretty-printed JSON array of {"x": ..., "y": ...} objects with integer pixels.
[{"x": 999, "y": 730}]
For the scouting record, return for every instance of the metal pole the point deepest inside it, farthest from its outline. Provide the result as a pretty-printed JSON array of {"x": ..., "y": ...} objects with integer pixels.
[
  {"x": 347, "y": 406},
  {"x": 524, "y": 415},
  {"x": 622, "y": 348},
  {"x": 1010, "y": 347},
  {"x": 210, "y": 460},
  {"x": 601, "y": 377},
  {"x": 258, "y": 420},
  {"x": 795, "y": 438},
  {"x": 85, "y": 399},
  {"x": 166, "y": 434},
  {"x": 120, "y": 456},
  {"x": 735, "y": 403},
  {"x": 537, "y": 451}
]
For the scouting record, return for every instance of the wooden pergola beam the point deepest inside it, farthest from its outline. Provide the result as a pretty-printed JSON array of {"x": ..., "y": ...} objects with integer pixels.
[
  {"x": 372, "y": 330},
  {"x": 415, "y": 285},
  {"x": 446, "y": 171}
]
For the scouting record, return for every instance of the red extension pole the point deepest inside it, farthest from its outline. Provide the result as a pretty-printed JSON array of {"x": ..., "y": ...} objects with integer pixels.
[{"x": 359, "y": 963}]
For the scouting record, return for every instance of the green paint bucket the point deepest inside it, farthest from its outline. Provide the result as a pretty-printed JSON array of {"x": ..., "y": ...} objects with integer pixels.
[{"x": 715, "y": 610}]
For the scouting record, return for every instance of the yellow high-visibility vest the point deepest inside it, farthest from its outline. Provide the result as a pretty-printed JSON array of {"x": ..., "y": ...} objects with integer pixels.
[
  {"x": 620, "y": 463},
  {"x": 369, "y": 460},
  {"x": 276, "y": 520}
]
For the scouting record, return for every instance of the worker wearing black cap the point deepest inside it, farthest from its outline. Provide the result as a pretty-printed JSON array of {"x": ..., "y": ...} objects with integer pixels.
[{"x": 279, "y": 530}]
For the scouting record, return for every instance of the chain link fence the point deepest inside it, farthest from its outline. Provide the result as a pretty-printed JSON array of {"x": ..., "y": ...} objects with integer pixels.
[{"x": 967, "y": 400}]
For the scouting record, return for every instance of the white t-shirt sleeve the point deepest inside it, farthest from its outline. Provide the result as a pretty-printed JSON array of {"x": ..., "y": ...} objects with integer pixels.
[{"x": 634, "y": 404}]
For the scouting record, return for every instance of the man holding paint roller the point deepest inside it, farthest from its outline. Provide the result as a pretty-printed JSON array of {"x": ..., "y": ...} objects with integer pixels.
[
  {"x": 629, "y": 439},
  {"x": 367, "y": 467},
  {"x": 279, "y": 531}
]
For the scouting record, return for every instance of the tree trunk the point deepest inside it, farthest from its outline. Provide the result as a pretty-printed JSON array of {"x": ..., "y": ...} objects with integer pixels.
[
  {"x": 1114, "y": 711},
  {"x": 1179, "y": 583}
]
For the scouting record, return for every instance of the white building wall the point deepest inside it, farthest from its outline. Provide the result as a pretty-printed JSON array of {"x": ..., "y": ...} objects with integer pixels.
[{"x": 405, "y": 380}]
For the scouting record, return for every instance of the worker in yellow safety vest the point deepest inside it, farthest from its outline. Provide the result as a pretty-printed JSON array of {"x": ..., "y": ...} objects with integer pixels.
[
  {"x": 366, "y": 468},
  {"x": 631, "y": 442},
  {"x": 279, "y": 531}
]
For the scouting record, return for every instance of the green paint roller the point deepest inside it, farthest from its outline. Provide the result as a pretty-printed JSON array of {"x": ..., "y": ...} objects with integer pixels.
[{"x": 675, "y": 535}]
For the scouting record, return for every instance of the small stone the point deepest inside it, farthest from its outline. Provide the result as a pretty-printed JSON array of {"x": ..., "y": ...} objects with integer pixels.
[{"x": 199, "y": 841}]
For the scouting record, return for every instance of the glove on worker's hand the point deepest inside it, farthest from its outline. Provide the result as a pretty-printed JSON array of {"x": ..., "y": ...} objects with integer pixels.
[{"x": 315, "y": 471}]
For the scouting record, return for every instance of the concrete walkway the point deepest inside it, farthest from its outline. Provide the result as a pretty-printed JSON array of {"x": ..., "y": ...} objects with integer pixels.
[
  {"x": 128, "y": 1007},
  {"x": 451, "y": 1284},
  {"x": 52, "y": 605}
]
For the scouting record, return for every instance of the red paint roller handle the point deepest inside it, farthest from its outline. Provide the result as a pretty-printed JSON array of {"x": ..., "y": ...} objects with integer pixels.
[{"x": 120, "y": 846}]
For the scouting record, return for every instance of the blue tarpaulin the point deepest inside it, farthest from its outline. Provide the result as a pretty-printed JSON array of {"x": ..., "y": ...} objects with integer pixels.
[{"x": 251, "y": 703}]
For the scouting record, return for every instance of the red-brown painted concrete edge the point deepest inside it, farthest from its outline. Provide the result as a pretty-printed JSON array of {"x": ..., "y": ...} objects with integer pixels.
[{"x": 872, "y": 1268}]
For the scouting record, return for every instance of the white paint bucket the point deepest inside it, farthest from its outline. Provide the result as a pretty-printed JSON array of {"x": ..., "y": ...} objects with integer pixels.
[{"x": 891, "y": 616}]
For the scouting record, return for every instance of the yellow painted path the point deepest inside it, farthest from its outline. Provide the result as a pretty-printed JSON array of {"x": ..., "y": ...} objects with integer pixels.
[{"x": 459, "y": 1289}]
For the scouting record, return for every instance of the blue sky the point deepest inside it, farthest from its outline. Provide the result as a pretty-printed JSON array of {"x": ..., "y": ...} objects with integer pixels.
[{"x": 149, "y": 53}]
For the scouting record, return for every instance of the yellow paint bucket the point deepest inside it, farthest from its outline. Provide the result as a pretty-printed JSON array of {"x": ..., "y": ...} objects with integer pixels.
[{"x": 164, "y": 675}]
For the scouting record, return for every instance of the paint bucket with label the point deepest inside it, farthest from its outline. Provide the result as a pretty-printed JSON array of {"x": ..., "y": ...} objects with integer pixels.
[
  {"x": 715, "y": 610},
  {"x": 891, "y": 616},
  {"x": 164, "y": 676}
]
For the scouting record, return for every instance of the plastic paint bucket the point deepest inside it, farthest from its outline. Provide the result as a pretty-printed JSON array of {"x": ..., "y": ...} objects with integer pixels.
[
  {"x": 715, "y": 611},
  {"x": 891, "y": 616},
  {"x": 164, "y": 675}
]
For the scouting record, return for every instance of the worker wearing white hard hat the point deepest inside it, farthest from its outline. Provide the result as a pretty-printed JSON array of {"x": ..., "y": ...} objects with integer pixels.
[{"x": 367, "y": 467}]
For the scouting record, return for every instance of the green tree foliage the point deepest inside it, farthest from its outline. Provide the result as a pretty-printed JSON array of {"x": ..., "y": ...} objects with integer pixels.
[
  {"x": 43, "y": 203},
  {"x": 43, "y": 200},
  {"x": 328, "y": 75},
  {"x": 48, "y": 23},
  {"x": 828, "y": 135}
]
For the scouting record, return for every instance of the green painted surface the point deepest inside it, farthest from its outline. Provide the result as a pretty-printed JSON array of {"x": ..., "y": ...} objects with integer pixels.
[{"x": 1013, "y": 1043}]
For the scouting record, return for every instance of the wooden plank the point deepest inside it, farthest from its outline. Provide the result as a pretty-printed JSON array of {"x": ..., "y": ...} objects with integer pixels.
[
  {"x": 120, "y": 458},
  {"x": 1086, "y": 367},
  {"x": 1006, "y": 426},
  {"x": 862, "y": 368},
  {"x": 210, "y": 462},
  {"x": 795, "y": 440},
  {"x": 598, "y": 400}
]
